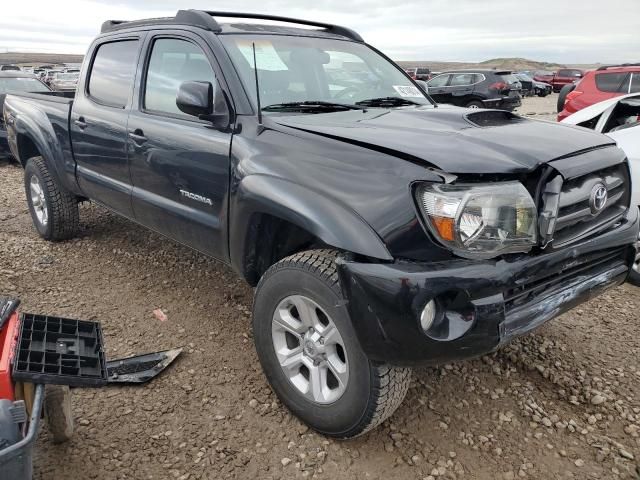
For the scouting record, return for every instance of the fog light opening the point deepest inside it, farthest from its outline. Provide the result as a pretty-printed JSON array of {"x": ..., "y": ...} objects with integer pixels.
[{"x": 428, "y": 315}]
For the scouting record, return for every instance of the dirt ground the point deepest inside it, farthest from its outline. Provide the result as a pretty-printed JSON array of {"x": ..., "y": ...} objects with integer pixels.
[{"x": 563, "y": 403}]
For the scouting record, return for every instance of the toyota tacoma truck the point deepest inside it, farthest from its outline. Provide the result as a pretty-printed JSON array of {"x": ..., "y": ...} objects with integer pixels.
[{"x": 381, "y": 231}]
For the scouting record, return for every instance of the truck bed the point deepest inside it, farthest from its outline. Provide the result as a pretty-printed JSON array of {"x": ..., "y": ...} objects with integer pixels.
[{"x": 50, "y": 114}]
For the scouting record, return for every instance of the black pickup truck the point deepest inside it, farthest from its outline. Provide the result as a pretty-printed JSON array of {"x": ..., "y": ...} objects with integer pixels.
[{"x": 382, "y": 230}]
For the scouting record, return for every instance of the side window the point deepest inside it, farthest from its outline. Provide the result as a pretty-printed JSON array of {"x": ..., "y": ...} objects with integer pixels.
[
  {"x": 612, "y": 82},
  {"x": 172, "y": 62},
  {"x": 111, "y": 76},
  {"x": 462, "y": 79},
  {"x": 439, "y": 81},
  {"x": 635, "y": 83}
]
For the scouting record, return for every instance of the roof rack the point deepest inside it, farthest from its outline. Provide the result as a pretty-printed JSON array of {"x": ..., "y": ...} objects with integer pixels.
[
  {"x": 205, "y": 19},
  {"x": 604, "y": 67}
]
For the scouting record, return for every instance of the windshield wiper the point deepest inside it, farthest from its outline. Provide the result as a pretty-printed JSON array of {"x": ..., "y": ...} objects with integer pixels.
[
  {"x": 387, "y": 102},
  {"x": 310, "y": 105}
]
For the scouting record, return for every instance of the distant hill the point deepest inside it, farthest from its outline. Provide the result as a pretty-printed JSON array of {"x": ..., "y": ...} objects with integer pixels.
[
  {"x": 497, "y": 63},
  {"x": 38, "y": 58}
]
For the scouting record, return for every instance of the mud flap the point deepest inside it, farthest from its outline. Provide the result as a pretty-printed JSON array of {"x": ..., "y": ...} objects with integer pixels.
[{"x": 141, "y": 368}]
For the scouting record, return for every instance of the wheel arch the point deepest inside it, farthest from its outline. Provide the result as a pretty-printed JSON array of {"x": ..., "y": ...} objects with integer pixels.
[{"x": 274, "y": 218}]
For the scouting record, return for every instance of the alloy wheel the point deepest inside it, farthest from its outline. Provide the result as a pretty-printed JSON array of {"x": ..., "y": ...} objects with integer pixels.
[
  {"x": 310, "y": 349},
  {"x": 38, "y": 201}
]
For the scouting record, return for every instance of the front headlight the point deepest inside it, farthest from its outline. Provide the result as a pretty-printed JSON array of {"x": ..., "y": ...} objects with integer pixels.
[{"x": 480, "y": 220}]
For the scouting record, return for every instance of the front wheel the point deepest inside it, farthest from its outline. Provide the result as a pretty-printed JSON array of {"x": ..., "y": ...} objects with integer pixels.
[
  {"x": 54, "y": 210},
  {"x": 634, "y": 275},
  {"x": 310, "y": 353}
]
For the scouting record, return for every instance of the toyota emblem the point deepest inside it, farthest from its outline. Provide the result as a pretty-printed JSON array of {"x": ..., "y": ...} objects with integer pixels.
[{"x": 598, "y": 198}]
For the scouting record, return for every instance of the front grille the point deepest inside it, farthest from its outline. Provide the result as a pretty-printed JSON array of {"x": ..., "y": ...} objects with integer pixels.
[{"x": 575, "y": 218}]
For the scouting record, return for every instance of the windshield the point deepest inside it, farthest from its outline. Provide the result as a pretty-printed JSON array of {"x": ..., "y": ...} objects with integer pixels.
[
  {"x": 299, "y": 69},
  {"x": 22, "y": 84}
]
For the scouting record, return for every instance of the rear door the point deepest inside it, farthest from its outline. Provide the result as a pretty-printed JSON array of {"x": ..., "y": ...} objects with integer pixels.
[
  {"x": 461, "y": 87},
  {"x": 179, "y": 164},
  {"x": 99, "y": 122}
]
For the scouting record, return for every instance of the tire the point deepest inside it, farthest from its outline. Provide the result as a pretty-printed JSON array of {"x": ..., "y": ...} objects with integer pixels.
[
  {"x": 58, "y": 412},
  {"x": 475, "y": 104},
  {"x": 369, "y": 392},
  {"x": 542, "y": 93},
  {"x": 564, "y": 91},
  {"x": 634, "y": 275},
  {"x": 53, "y": 209}
]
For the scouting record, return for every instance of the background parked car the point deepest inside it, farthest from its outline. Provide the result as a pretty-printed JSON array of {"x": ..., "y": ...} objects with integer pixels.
[
  {"x": 64, "y": 82},
  {"x": 477, "y": 89},
  {"x": 527, "y": 84},
  {"x": 423, "y": 74},
  {"x": 49, "y": 76},
  {"x": 619, "y": 118},
  {"x": 12, "y": 81},
  {"x": 598, "y": 85},
  {"x": 557, "y": 80},
  {"x": 9, "y": 68}
]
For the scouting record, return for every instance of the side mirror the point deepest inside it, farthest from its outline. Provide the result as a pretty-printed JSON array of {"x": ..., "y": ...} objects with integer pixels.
[{"x": 196, "y": 99}]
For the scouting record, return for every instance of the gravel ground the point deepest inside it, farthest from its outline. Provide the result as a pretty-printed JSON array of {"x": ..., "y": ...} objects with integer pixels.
[{"x": 560, "y": 404}]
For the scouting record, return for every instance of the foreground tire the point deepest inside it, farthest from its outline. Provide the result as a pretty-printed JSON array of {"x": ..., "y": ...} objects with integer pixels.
[
  {"x": 634, "y": 275},
  {"x": 58, "y": 412},
  {"x": 310, "y": 353},
  {"x": 53, "y": 209}
]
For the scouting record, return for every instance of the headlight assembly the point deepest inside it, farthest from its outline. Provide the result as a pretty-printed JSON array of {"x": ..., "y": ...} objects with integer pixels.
[{"x": 480, "y": 220}]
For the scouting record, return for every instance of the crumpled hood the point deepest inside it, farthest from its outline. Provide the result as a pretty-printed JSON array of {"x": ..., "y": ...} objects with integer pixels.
[{"x": 455, "y": 140}]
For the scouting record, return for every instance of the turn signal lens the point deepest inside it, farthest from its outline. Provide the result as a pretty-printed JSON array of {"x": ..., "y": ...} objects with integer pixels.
[{"x": 445, "y": 227}]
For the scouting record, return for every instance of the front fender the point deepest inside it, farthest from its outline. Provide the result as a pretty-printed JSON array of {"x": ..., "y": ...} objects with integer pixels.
[{"x": 332, "y": 222}]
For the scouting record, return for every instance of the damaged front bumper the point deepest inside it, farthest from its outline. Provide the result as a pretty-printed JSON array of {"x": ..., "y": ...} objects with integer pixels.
[{"x": 482, "y": 304}]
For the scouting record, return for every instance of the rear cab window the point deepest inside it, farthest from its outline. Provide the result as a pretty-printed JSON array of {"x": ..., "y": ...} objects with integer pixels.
[
  {"x": 612, "y": 82},
  {"x": 112, "y": 72}
]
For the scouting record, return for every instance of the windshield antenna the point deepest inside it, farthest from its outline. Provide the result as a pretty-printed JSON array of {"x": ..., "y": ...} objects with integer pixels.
[{"x": 255, "y": 70}]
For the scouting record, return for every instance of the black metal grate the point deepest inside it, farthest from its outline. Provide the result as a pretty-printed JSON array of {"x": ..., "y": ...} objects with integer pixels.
[{"x": 60, "y": 351}]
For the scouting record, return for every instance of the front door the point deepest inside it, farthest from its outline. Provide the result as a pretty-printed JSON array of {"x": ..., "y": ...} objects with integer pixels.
[
  {"x": 99, "y": 124},
  {"x": 438, "y": 89},
  {"x": 179, "y": 164}
]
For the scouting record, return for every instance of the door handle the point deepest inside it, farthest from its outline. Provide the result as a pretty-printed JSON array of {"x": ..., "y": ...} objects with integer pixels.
[
  {"x": 80, "y": 123},
  {"x": 137, "y": 136}
]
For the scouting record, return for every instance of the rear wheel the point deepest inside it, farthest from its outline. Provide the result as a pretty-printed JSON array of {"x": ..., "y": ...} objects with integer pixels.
[
  {"x": 562, "y": 96},
  {"x": 310, "y": 353},
  {"x": 475, "y": 104},
  {"x": 53, "y": 209}
]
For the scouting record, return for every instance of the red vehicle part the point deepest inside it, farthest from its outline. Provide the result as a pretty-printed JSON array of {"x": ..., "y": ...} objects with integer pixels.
[
  {"x": 8, "y": 338},
  {"x": 599, "y": 85}
]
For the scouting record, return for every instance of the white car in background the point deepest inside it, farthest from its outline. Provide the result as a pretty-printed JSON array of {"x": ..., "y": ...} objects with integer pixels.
[{"x": 618, "y": 118}]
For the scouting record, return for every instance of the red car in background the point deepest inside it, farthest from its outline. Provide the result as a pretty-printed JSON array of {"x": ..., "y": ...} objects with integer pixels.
[
  {"x": 559, "y": 79},
  {"x": 598, "y": 85}
]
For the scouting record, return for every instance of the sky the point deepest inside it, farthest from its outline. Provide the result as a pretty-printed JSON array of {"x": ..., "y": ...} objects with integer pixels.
[{"x": 562, "y": 31}]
